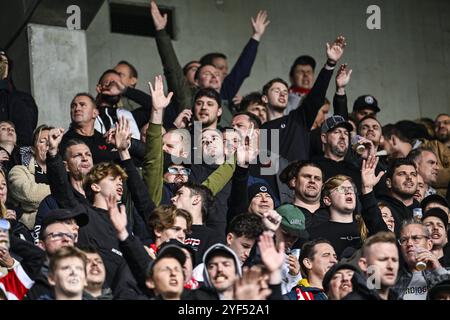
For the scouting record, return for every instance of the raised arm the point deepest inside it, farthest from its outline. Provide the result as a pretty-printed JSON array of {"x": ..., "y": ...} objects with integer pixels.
[
  {"x": 152, "y": 168},
  {"x": 316, "y": 97},
  {"x": 340, "y": 98},
  {"x": 371, "y": 214},
  {"x": 176, "y": 81},
  {"x": 56, "y": 172},
  {"x": 137, "y": 187},
  {"x": 241, "y": 70}
]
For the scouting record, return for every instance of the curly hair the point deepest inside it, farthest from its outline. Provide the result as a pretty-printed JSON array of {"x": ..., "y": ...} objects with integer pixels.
[{"x": 99, "y": 172}]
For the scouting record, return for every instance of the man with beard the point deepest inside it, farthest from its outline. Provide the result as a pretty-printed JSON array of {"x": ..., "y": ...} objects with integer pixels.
[
  {"x": 401, "y": 182},
  {"x": 339, "y": 196},
  {"x": 442, "y": 128},
  {"x": 110, "y": 89},
  {"x": 316, "y": 258},
  {"x": 427, "y": 166},
  {"x": 436, "y": 220},
  {"x": 380, "y": 263},
  {"x": 335, "y": 140},
  {"x": 421, "y": 189}
]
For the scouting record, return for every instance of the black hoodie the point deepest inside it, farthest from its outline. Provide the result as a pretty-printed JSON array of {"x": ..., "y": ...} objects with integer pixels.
[{"x": 400, "y": 212}]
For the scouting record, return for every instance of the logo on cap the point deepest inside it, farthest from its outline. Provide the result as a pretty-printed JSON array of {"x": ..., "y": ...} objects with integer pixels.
[
  {"x": 368, "y": 99},
  {"x": 263, "y": 189}
]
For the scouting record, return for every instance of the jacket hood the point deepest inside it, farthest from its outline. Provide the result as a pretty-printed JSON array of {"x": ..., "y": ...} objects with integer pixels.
[{"x": 213, "y": 251}]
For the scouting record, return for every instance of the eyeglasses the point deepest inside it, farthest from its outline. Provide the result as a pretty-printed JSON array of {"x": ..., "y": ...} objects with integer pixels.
[
  {"x": 183, "y": 171},
  {"x": 55, "y": 236},
  {"x": 415, "y": 238},
  {"x": 344, "y": 190}
]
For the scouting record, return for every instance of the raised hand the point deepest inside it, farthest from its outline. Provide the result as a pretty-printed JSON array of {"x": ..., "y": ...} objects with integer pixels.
[
  {"x": 343, "y": 77},
  {"x": 248, "y": 148},
  {"x": 248, "y": 287},
  {"x": 159, "y": 99},
  {"x": 259, "y": 25},
  {"x": 272, "y": 257},
  {"x": 183, "y": 119},
  {"x": 271, "y": 220},
  {"x": 118, "y": 218},
  {"x": 122, "y": 137},
  {"x": 54, "y": 139},
  {"x": 368, "y": 177},
  {"x": 336, "y": 49},
  {"x": 160, "y": 21}
]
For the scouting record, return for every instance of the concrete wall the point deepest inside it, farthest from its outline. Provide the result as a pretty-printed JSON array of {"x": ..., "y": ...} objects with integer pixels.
[
  {"x": 405, "y": 64},
  {"x": 58, "y": 61}
]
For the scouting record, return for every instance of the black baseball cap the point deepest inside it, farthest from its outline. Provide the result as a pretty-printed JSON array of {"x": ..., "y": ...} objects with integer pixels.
[
  {"x": 438, "y": 213},
  {"x": 433, "y": 198},
  {"x": 334, "y": 122},
  {"x": 366, "y": 101},
  {"x": 57, "y": 215},
  {"x": 175, "y": 242},
  {"x": 168, "y": 250}
]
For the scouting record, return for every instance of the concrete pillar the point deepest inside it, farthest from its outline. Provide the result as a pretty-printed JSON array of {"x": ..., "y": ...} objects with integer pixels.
[{"x": 58, "y": 70}]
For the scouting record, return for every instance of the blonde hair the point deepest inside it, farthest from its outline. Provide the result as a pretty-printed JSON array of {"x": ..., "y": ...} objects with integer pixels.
[{"x": 335, "y": 182}]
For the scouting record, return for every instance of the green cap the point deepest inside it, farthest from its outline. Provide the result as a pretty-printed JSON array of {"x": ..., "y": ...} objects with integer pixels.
[{"x": 292, "y": 220}]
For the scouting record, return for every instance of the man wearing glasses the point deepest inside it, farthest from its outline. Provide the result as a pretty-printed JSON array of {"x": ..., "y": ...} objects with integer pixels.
[
  {"x": 59, "y": 229},
  {"x": 421, "y": 265},
  {"x": 339, "y": 196}
]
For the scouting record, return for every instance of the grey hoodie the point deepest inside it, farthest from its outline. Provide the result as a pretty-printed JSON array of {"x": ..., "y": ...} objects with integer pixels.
[{"x": 211, "y": 252}]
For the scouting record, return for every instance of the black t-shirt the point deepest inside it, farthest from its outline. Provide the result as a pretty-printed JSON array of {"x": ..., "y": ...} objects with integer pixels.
[
  {"x": 332, "y": 168},
  {"x": 201, "y": 239},
  {"x": 101, "y": 151},
  {"x": 341, "y": 235}
]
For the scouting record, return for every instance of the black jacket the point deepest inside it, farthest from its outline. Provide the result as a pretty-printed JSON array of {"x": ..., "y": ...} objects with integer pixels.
[
  {"x": 294, "y": 129},
  {"x": 400, "y": 212},
  {"x": 99, "y": 232},
  {"x": 371, "y": 214},
  {"x": 362, "y": 292},
  {"x": 21, "y": 109}
]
